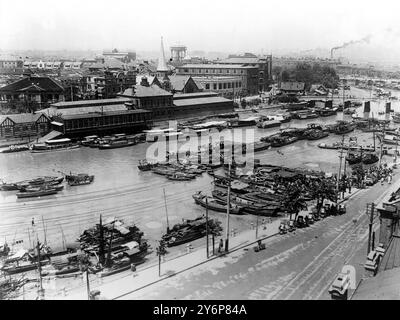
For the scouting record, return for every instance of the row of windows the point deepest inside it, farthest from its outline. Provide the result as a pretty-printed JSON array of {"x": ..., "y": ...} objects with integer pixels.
[
  {"x": 212, "y": 71},
  {"x": 104, "y": 121},
  {"x": 226, "y": 85}
]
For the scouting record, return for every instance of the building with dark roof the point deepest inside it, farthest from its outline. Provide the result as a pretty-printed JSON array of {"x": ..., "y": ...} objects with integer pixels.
[
  {"x": 23, "y": 125},
  {"x": 33, "y": 89},
  {"x": 292, "y": 87}
]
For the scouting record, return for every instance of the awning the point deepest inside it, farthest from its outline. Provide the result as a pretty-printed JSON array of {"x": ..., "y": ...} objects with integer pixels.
[{"x": 57, "y": 123}]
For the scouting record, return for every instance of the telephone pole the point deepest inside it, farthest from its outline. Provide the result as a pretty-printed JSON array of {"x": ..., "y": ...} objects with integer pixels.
[
  {"x": 228, "y": 209},
  {"x": 340, "y": 170},
  {"x": 370, "y": 212},
  {"x": 207, "y": 244}
]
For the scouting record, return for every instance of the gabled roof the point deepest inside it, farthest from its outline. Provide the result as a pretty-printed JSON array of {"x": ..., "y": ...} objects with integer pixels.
[
  {"x": 142, "y": 92},
  {"x": 46, "y": 83},
  {"x": 32, "y": 88},
  {"x": 178, "y": 82},
  {"x": 21, "y": 117}
]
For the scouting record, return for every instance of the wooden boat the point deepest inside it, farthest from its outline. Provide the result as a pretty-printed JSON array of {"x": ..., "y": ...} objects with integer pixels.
[
  {"x": 145, "y": 166},
  {"x": 343, "y": 129},
  {"x": 8, "y": 186},
  {"x": 352, "y": 158},
  {"x": 79, "y": 179},
  {"x": 326, "y": 112},
  {"x": 187, "y": 231},
  {"x": 180, "y": 177},
  {"x": 45, "y": 180},
  {"x": 315, "y": 134},
  {"x": 39, "y": 193},
  {"x": 369, "y": 158},
  {"x": 163, "y": 171},
  {"x": 14, "y": 269},
  {"x": 15, "y": 148},
  {"x": 260, "y": 146},
  {"x": 283, "y": 141},
  {"x": 268, "y": 124},
  {"x": 116, "y": 144},
  {"x": 214, "y": 204}
]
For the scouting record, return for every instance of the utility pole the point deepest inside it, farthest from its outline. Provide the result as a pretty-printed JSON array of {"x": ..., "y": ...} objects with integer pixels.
[
  {"x": 40, "y": 293},
  {"x": 87, "y": 283},
  {"x": 257, "y": 227},
  {"x": 370, "y": 211},
  {"x": 166, "y": 210},
  {"x": 382, "y": 141},
  {"x": 228, "y": 210},
  {"x": 207, "y": 244},
  {"x": 340, "y": 170}
]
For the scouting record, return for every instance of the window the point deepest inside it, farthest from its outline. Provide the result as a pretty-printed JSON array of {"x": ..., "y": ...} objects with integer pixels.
[
  {"x": 224, "y": 85},
  {"x": 241, "y": 71},
  {"x": 227, "y": 70},
  {"x": 215, "y": 86},
  {"x": 229, "y": 85},
  {"x": 234, "y": 70},
  {"x": 219, "y": 85},
  {"x": 186, "y": 70},
  {"x": 206, "y": 70},
  {"x": 207, "y": 86},
  {"x": 220, "y": 70}
]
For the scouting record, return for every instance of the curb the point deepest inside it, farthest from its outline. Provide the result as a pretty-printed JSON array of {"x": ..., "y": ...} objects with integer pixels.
[{"x": 240, "y": 246}]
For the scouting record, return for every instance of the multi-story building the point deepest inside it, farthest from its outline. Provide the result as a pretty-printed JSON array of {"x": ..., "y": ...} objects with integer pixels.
[
  {"x": 245, "y": 79},
  {"x": 33, "y": 90},
  {"x": 122, "y": 56},
  {"x": 264, "y": 65},
  {"x": 226, "y": 86},
  {"x": 10, "y": 63},
  {"x": 23, "y": 125}
]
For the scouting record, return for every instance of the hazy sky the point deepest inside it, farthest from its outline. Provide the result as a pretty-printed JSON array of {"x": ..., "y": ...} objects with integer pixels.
[{"x": 209, "y": 25}]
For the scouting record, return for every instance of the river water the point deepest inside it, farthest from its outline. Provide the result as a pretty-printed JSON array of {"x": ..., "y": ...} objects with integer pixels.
[{"x": 121, "y": 190}]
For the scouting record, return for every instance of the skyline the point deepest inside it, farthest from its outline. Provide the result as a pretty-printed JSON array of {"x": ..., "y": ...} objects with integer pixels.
[{"x": 268, "y": 27}]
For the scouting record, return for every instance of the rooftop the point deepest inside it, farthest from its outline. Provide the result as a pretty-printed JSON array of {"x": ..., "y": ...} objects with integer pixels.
[
  {"x": 45, "y": 83},
  {"x": 200, "y": 100},
  {"x": 75, "y": 104},
  {"x": 83, "y": 110},
  {"x": 216, "y": 66},
  {"x": 101, "y": 114},
  {"x": 142, "y": 92},
  {"x": 195, "y": 95},
  {"x": 21, "y": 117}
]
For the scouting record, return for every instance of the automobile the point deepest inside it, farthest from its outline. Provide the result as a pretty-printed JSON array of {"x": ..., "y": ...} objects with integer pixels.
[
  {"x": 300, "y": 222},
  {"x": 380, "y": 250},
  {"x": 310, "y": 218},
  {"x": 283, "y": 228},
  {"x": 341, "y": 209},
  {"x": 372, "y": 263},
  {"x": 340, "y": 286},
  {"x": 291, "y": 225}
]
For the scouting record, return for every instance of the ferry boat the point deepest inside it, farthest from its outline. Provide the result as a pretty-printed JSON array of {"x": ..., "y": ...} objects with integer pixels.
[
  {"x": 116, "y": 144},
  {"x": 54, "y": 145}
]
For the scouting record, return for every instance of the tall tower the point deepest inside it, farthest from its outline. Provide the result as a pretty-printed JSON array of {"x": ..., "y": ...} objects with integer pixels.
[{"x": 162, "y": 68}]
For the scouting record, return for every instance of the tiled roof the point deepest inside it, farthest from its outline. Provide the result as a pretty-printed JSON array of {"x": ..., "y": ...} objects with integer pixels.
[
  {"x": 46, "y": 83},
  {"x": 178, "y": 82},
  {"x": 141, "y": 91},
  {"x": 197, "y": 101},
  {"x": 21, "y": 117}
]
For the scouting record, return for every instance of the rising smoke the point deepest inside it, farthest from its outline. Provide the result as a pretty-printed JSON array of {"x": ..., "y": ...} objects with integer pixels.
[{"x": 346, "y": 44}]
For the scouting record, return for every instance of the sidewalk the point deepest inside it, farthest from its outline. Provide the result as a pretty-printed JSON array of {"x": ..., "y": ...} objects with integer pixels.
[
  {"x": 119, "y": 285},
  {"x": 149, "y": 275}
]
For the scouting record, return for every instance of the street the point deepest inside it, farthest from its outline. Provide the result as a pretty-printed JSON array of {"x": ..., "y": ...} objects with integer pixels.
[{"x": 300, "y": 265}]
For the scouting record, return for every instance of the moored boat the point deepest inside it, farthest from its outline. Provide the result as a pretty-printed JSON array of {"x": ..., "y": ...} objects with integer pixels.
[
  {"x": 214, "y": 204},
  {"x": 54, "y": 145},
  {"x": 116, "y": 144}
]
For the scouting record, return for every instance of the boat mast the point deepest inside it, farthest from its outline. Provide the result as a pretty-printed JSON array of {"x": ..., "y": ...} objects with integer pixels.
[
  {"x": 101, "y": 244},
  {"x": 166, "y": 210},
  {"x": 44, "y": 231}
]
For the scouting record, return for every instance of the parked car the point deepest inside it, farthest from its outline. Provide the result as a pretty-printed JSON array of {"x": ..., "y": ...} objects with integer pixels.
[
  {"x": 310, "y": 218},
  {"x": 373, "y": 260},
  {"x": 300, "y": 222},
  {"x": 341, "y": 209},
  {"x": 339, "y": 288},
  {"x": 291, "y": 226},
  {"x": 283, "y": 228}
]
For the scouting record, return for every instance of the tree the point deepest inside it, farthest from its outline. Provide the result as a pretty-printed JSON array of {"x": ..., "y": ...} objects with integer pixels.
[
  {"x": 322, "y": 189},
  {"x": 293, "y": 200}
]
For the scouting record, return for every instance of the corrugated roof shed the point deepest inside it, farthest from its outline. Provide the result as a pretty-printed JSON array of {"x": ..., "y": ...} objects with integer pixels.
[
  {"x": 200, "y": 100},
  {"x": 21, "y": 117}
]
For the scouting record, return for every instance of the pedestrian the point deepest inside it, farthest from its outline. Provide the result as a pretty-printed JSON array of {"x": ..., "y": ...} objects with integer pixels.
[
  {"x": 221, "y": 246},
  {"x": 390, "y": 178},
  {"x": 252, "y": 225},
  {"x": 382, "y": 180}
]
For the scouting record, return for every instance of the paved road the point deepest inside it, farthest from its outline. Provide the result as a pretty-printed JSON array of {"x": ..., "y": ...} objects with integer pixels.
[{"x": 294, "y": 266}]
